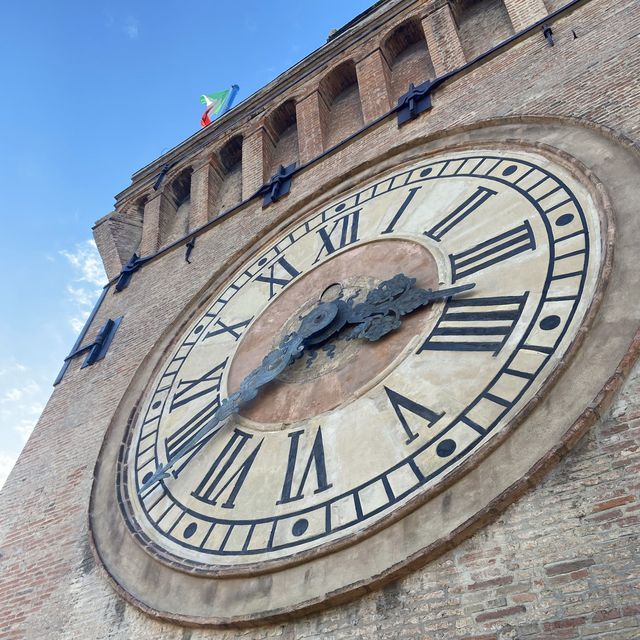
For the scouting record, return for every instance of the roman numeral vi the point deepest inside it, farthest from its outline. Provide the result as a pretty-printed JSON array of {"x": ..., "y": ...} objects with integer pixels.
[{"x": 315, "y": 459}]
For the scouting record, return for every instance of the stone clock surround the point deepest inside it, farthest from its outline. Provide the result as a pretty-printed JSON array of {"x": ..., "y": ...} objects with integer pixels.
[{"x": 452, "y": 514}]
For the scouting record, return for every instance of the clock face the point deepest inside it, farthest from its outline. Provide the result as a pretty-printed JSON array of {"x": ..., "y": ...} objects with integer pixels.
[{"x": 356, "y": 433}]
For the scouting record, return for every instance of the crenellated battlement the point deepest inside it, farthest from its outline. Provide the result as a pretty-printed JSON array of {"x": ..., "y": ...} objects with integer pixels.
[{"x": 352, "y": 80}]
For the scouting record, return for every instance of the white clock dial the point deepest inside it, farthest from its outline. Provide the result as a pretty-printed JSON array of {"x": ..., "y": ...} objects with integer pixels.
[{"x": 357, "y": 433}]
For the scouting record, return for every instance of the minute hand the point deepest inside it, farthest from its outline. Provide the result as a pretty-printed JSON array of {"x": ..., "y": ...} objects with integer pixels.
[
  {"x": 380, "y": 313},
  {"x": 272, "y": 365}
]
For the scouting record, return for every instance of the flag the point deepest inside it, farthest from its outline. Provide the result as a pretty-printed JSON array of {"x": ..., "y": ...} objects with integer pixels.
[{"x": 217, "y": 104}]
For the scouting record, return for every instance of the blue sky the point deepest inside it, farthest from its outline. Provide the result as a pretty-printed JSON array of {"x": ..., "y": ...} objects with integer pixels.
[{"x": 91, "y": 92}]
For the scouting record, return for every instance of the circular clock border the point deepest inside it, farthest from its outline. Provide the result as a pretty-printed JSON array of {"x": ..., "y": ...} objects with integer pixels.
[
  {"x": 621, "y": 357},
  {"x": 188, "y": 565}
]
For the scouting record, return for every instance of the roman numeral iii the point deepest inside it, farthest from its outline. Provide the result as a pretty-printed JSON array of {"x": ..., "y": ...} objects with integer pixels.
[{"x": 476, "y": 324}]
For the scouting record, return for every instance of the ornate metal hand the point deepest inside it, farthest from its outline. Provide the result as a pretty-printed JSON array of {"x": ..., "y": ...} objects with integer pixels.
[
  {"x": 272, "y": 365},
  {"x": 378, "y": 315}
]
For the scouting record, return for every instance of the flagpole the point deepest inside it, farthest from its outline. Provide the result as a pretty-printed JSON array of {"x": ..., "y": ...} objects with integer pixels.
[{"x": 230, "y": 98}]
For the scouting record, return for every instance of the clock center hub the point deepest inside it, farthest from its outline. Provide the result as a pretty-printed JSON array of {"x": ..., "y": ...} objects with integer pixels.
[{"x": 338, "y": 370}]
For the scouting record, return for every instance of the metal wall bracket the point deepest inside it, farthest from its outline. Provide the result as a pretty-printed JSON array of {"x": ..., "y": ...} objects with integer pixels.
[
  {"x": 99, "y": 347},
  {"x": 161, "y": 175},
  {"x": 416, "y": 101},
  {"x": 279, "y": 185},
  {"x": 135, "y": 262},
  {"x": 95, "y": 350},
  {"x": 189, "y": 248}
]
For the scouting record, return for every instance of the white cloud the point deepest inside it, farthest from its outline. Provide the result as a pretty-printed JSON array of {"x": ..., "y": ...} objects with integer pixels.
[
  {"x": 18, "y": 393},
  {"x": 86, "y": 263},
  {"x": 130, "y": 28},
  {"x": 80, "y": 296},
  {"x": 22, "y": 403},
  {"x": 13, "y": 395},
  {"x": 78, "y": 322},
  {"x": 85, "y": 259},
  {"x": 7, "y": 460}
]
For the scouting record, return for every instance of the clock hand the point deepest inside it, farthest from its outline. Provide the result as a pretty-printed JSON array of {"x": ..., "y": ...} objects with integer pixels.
[
  {"x": 380, "y": 313},
  {"x": 290, "y": 347}
]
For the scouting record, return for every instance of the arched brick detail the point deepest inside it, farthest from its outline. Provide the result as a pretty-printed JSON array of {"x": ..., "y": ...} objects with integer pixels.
[
  {"x": 282, "y": 128},
  {"x": 343, "y": 110},
  {"x": 230, "y": 168},
  {"x": 482, "y": 24},
  {"x": 174, "y": 216},
  {"x": 405, "y": 49}
]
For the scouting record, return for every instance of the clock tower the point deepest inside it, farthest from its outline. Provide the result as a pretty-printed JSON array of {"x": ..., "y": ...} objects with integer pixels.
[{"x": 366, "y": 362}]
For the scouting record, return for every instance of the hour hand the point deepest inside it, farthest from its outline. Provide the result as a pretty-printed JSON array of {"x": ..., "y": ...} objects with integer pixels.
[
  {"x": 160, "y": 473},
  {"x": 316, "y": 322}
]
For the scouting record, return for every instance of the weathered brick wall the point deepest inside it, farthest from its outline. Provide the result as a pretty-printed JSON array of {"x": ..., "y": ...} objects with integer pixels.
[
  {"x": 553, "y": 5},
  {"x": 562, "y": 562},
  {"x": 230, "y": 193},
  {"x": 408, "y": 58},
  {"x": 481, "y": 25},
  {"x": 286, "y": 149},
  {"x": 411, "y": 65},
  {"x": 119, "y": 235}
]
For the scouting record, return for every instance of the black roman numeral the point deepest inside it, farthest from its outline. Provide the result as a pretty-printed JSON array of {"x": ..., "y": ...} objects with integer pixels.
[
  {"x": 281, "y": 273},
  {"x": 490, "y": 252},
  {"x": 400, "y": 403},
  {"x": 188, "y": 390},
  {"x": 475, "y": 200},
  {"x": 315, "y": 459},
  {"x": 476, "y": 324},
  {"x": 342, "y": 233},
  {"x": 402, "y": 209},
  {"x": 181, "y": 435},
  {"x": 228, "y": 328},
  {"x": 227, "y": 474}
]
